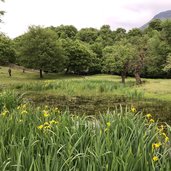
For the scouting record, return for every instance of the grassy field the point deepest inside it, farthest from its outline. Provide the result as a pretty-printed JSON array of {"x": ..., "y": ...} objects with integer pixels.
[
  {"x": 98, "y": 85},
  {"x": 83, "y": 122},
  {"x": 90, "y": 93}
]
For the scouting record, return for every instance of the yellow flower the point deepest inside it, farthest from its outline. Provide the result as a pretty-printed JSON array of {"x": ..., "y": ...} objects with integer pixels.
[
  {"x": 24, "y": 112},
  {"x": 166, "y": 139},
  {"x": 148, "y": 116},
  {"x": 40, "y": 127},
  {"x": 24, "y": 106},
  {"x": 156, "y": 145},
  {"x": 133, "y": 109},
  {"x": 46, "y": 123},
  {"x": 45, "y": 114},
  {"x": 164, "y": 134},
  {"x": 4, "y": 113},
  {"x": 53, "y": 122},
  {"x": 155, "y": 158},
  {"x": 47, "y": 127},
  {"x": 108, "y": 124},
  {"x": 151, "y": 120}
]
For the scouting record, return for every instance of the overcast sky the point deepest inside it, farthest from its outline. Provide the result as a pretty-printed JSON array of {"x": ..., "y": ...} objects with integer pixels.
[{"x": 80, "y": 13}]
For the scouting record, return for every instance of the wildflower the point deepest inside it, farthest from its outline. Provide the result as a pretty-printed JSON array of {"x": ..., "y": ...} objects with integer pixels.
[
  {"x": 5, "y": 112},
  {"x": 46, "y": 123},
  {"x": 166, "y": 139},
  {"x": 164, "y": 134},
  {"x": 108, "y": 124},
  {"x": 148, "y": 116},
  {"x": 47, "y": 127},
  {"x": 161, "y": 127},
  {"x": 156, "y": 145},
  {"x": 133, "y": 109},
  {"x": 53, "y": 122},
  {"x": 24, "y": 106},
  {"x": 155, "y": 158},
  {"x": 45, "y": 114},
  {"x": 40, "y": 127},
  {"x": 151, "y": 120}
]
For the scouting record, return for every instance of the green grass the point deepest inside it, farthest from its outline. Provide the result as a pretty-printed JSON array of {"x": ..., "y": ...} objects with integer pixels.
[
  {"x": 118, "y": 140},
  {"x": 96, "y": 85},
  {"x": 89, "y": 93}
]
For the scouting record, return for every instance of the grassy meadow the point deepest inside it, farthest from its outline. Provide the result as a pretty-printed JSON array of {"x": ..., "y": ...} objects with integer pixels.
[{"x": 80, "y": 123}]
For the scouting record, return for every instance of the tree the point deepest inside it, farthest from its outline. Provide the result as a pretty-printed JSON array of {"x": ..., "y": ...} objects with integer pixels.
[
  {"x": 7, "y": 52},
  {"x": 65, "y": 31},
  {"x": 120, "y": 34},
  {"x": 156, "y": 55},
  {"x": 39, "y": 49},
  {"x": 118, "y": 58},
  {"x": 168, "y": 63},
  {"x": 88, "y": 35},
  {"x": 79, "y": 56},
  {"x": 105, "y": 36},
  {"x": 139, "y": 41},
  {"x": 156, "y": 24}
]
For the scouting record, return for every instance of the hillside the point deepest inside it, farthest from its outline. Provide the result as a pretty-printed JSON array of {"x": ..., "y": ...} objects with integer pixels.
[{"x": 162, "y": 16}]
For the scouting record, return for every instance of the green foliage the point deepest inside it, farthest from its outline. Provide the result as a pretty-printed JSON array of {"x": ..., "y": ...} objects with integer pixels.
[
  {"x": 9, "y": 99},
  {"x": 156, "y": 24},
  {"x": 88, "y": 35},
  {"x": 80, "y": 57},
  {"x": 168, "y": 63},
  {"x": 118, "y": 58},
  {"x": 48, "y": 139},
  {"x": 39, "y": 49},
  {"x": 65, "y": 31},
  {"x": 7, "y": 52}
]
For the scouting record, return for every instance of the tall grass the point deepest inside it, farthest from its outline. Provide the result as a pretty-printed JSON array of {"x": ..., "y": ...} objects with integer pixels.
[
  {"x": 48, "y": 139},
  {"x": 79, "y": 87},
  {"x": 9, "y": 99}
]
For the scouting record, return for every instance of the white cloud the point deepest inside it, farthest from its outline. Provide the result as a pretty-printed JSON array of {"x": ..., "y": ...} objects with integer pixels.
[{"x": 80, "y": 13}]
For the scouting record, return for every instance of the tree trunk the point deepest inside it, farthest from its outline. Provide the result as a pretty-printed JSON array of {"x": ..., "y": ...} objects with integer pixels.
[
  {"x": 41, "y": 73},
  {"x": 137, "y": 78},
  {"x": 123, "y": 78}
]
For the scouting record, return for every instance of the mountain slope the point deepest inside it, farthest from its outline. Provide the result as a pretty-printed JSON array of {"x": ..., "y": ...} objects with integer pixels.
[{"x": 162, "y": 16}]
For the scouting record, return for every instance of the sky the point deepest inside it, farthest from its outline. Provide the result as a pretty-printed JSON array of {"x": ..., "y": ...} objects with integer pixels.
[{"x": 81, "y": 13}]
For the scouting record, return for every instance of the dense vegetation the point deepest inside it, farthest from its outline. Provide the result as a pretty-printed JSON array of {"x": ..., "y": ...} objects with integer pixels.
[
  {"x": 52, "y": 140},
  {"x": 63, "y": 48}
]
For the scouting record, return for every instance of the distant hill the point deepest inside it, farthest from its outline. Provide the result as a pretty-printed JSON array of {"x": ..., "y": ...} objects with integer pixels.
[{"x": 162, "y": 16}]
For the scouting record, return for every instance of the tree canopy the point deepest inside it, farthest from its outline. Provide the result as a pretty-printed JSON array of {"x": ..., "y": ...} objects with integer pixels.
[{"x": 39, "y": 49}]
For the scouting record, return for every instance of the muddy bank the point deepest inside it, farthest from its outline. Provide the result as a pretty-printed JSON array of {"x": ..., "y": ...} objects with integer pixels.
[{"x": 94, "y": 105}]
